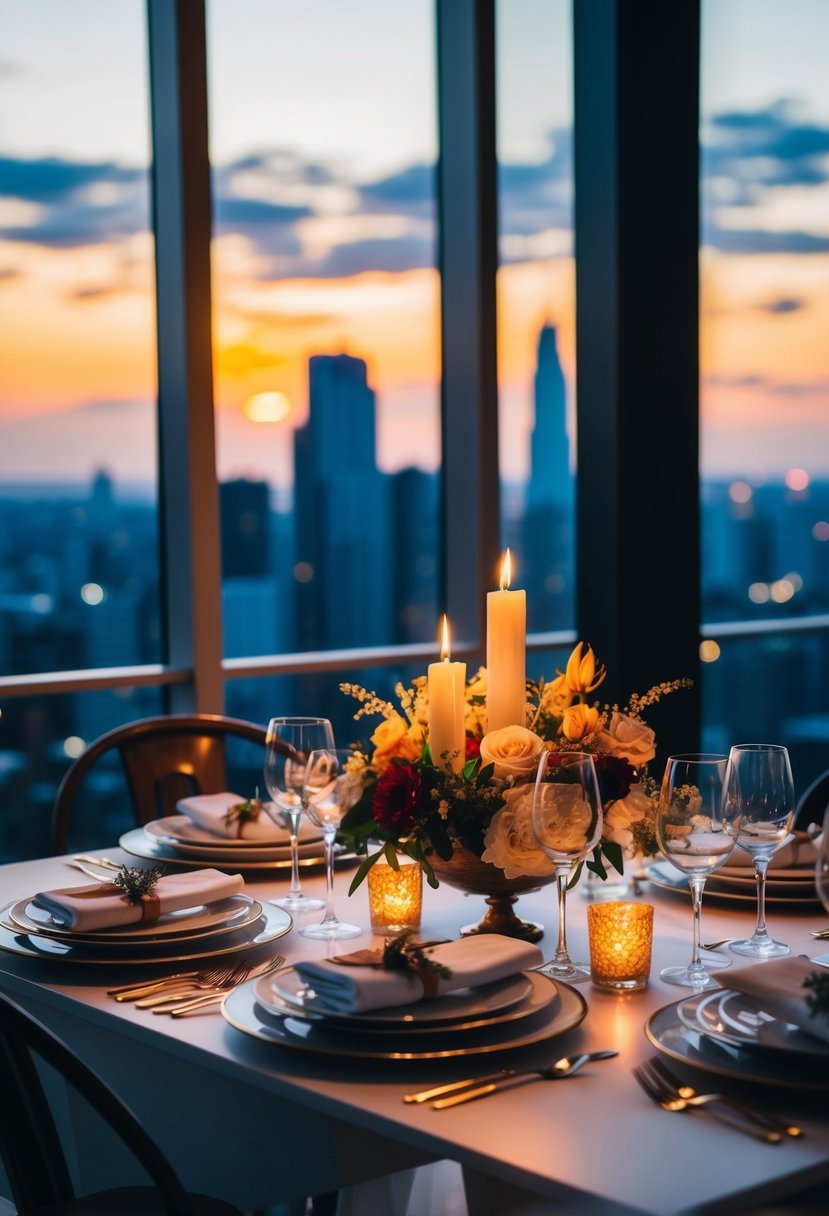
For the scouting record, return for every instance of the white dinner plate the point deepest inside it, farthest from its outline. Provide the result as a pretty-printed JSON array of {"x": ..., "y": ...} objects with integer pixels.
[
  {"x": 182, "y": 831},
  {"x": 737, "y": 1019},
  {"x": 666, "y": 1031},
  {"x": 243, "y": 1011},
  {"x": 224, "y": 916},
  {"x": 274, "y": 923},
  {"x": 226, "y": 851},
  {"x": 139, "y": 844},
  {"x": 665, "y": 876},
  {"x": 461, "y": 1009}
]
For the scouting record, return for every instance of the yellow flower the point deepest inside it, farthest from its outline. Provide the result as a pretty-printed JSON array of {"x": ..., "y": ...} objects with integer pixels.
[
  {"x": 582, "y": 674},
  {"x": 394, "y": 739},
  {"x": 579, "y": 720},
  {"x": 513, "y": 750}
]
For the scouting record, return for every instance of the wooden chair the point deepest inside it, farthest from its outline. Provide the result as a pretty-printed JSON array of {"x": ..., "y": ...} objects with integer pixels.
[
  {"x": 813, "y": 803},
  {"x": 164, "y": 759},
  {"x": 30, "y": 1145}
]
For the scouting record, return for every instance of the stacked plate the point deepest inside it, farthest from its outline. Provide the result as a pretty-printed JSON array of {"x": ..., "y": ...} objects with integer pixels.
[
  {"x": 227, "y": 926},
  {"x": 790, "y": 886},
  {"x": 521, "y": 1010},
  {"x": 177, "y": 841},
  {"x": 730, "y": 1034}
]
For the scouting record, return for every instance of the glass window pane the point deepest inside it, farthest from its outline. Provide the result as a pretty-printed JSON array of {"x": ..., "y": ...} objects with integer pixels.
[
  {"x": 764, "y": 365},
  {"x": 536, "y": 303},
  {"x": 326, "y": 321},
  {"x": 78, "y": 475}
]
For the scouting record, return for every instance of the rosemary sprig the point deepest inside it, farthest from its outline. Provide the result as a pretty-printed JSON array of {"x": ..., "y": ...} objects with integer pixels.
[
  {"x": 136, "y": 883},
  {"x": 244, "y": 812},
  {"x": 402, "y": 954}
]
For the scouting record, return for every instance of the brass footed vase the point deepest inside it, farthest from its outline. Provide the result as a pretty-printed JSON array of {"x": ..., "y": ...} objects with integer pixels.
[{"x": 467, "y": 872}]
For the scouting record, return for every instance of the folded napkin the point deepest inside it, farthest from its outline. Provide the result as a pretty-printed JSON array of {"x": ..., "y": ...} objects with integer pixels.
[
  {"x": 472, "y": 961},
  {"x": 777, "y": 987},
  {"x": 799, "y": 852},
  {"x": 105, "y": 906},
  {"x": 209, "y": 811}
]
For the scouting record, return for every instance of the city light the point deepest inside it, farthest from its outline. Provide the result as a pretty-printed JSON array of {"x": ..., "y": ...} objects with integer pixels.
[
  {"x": 303, "y": 572},
  {"x": 781, "y": 591},
  {"x": 92, "y": 593},
  {"x": 740, "y": 492},
  {"x": 709, "y": 650},
  {"x": 42, "y": 603},
  {"x": 797, "y": 479},
  {"x": 74, "y": 746},
  {"x": 821, "y": 530},
  {"x": 759, "y": 593},
  {"x": 266, "y": 407}
]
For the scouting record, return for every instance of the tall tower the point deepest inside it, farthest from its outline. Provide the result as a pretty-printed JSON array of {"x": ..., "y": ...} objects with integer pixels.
[
  {"x": 341, "y": 513},
  {"x": 548, "y": 530}
]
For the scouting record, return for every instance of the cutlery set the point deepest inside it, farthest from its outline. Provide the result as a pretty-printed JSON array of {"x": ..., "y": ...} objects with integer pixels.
[
  {"x": 506, "y": 1078},
  {"x": 191, "y": 991}
]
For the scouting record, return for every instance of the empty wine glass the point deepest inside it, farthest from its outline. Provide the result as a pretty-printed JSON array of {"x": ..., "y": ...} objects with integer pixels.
[
  {"x": 760, "y": 791},
  {"x": 567, "y": 824},
  {"x": 697, "y": 836},
  {"x": 288, "y": 744},
  {"x": 822, "y": 867},
  {"x": 330, "y": 789}
]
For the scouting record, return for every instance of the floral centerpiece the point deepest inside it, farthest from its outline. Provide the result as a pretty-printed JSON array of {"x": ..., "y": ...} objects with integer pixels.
[{"x": 413, "y": 806}]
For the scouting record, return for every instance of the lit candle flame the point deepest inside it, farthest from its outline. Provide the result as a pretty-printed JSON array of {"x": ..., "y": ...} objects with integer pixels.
[
  {"x": 444, "y": 639},
  {"x": 506, "y": 570}
]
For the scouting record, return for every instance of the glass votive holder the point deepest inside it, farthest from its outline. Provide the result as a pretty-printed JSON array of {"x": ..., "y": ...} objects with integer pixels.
[
  {"x": 621, "y": 938},
  {"x": 395, "y": 897}
]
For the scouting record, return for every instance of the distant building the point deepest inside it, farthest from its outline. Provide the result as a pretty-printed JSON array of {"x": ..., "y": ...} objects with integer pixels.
[{"x": 245, "y": 527}]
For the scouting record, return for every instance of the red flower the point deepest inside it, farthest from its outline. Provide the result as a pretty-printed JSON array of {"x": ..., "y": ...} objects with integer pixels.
[
  {"x": 616, "y": 776},
  {"x": 473, "y": 747},
  {"x": 396, "y": 798}
]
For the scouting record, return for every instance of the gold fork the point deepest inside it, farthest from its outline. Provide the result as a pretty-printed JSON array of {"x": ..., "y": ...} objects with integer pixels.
[
  {"x": 207, "y": 977},
  {"x": 661, "y": 1069},
  {"x": 243, "y": 973},
  {"x": 668, "y": 1098}
]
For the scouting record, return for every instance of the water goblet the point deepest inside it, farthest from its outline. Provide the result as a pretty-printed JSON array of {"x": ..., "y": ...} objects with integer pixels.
[
  {"x": 697, "y": 836},
  {"x": 567, "y": 824},
  {"x": 760, "y": 791},
  {"x": 288, "y": 744},
  {"x": 329, "y": 790}
]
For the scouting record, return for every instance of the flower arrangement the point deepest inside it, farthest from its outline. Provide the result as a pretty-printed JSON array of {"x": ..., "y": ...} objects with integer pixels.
[{"x": 413, "y": 806}]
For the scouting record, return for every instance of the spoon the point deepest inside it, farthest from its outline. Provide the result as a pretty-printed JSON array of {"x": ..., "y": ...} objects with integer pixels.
[{"x": 478, "y": 1087}]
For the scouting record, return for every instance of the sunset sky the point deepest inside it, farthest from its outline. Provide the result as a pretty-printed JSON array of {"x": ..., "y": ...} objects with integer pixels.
[{"x": 324, "y": 219}]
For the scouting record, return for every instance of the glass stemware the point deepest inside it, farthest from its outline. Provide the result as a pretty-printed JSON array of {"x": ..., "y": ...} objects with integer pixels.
[
  {"x": 288, "y": 744},
  {"x": 822, "y": 867},
  {"x": 697, "y": 836},
  {"x": 567, "y": 824},
  {"x": 760, "y": 791},
  {"x": 329, "y": 791}
]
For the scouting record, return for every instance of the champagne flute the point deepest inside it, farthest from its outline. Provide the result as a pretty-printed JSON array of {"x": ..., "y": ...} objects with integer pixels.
[
  {"x": 697, "y": 836},
  {"x": 288, "y": 744},
  {"x": 329, "y": 791},
  {"x": 760, "y": 791},
  {"x": 567, "y": 824}
]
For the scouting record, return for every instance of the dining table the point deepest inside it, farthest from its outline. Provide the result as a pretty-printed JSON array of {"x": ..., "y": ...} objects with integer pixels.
[{"x": 257, "y": 1123}]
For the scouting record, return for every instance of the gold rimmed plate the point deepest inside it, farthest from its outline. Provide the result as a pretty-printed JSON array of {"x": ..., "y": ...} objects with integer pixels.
[
  {"x": 273, "y": 923},
  {"x": 664, "y": 876},
  {"x": 180, "y": 833},
  {"x": 666, "y": 1031},
  {"x": 742, "y": 1022},
  {"x": 139, "y": 844},
  {"x": 510, "y": 999},
  {"x": 188, "y": 924},
  {"x": 242, "y": 1010}
]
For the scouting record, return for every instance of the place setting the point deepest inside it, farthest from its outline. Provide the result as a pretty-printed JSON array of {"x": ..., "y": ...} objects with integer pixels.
[{"x": 136, "y": 917}]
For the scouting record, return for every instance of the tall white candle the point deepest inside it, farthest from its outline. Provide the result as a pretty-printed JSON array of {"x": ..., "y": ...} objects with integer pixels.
[
  {"x": 447, "y": 737},
  {"x": 506, "y": 653}
]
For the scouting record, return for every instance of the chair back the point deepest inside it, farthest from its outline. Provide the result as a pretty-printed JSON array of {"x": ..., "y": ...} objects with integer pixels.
[
  {"x": 30, "y": 1146},
  {"x": 813, "y": 803},
  {"x": 164, "y": 759}
]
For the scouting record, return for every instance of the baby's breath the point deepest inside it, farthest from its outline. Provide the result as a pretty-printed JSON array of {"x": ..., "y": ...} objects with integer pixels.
[{"x": 370, "y": 703}]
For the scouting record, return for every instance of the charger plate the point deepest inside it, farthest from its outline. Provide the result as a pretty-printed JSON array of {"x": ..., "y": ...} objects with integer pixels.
[
  {"x": 739, "y": 1020},
  {"x": 188, "y": 924},
  {"x": 664, "y": 876},
  {"x": 510, "y": 999},
  {"x": 666, "y": 1032},
  {"x": 139, "y": 844},
  {"x": 181, "y": 833},
  {"x": 243, "y": 1011},
  {"x": 274, "y": 923}
]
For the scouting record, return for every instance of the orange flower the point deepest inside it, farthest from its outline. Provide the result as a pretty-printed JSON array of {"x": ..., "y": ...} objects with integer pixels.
[
  {"x": 394, "y": 739},
  {"x": 582, "y": 674},
  {"x": 578, "y": 721}
]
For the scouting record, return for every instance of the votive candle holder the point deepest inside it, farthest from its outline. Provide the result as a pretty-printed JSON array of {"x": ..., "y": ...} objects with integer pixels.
[
  {"x": 621, "y": 941},
  {"x": 395, "y": 898}
]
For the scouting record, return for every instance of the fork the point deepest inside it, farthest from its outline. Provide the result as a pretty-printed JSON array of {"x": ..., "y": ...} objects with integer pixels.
[
  {"x": 97, "y": 861},
  {"x": 79, "y": 865},
  {"x": 244, "y": 973},
  {"x": 688, "y": 1092},
  {"x": 206, "y": 978},
  {"x": 668, "y": 1098}
]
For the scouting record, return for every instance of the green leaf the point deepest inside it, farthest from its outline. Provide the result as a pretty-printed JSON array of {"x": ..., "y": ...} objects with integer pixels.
[
  {"x": 365, "y": 866},
  {"x": 486, "y": 774},
  {"x": 576, "y": 876},
  {"x": 391, "y": 856},
  {"x": 614, "y": 854},
  {"x": 598, "y": 869},
  {"x": 469, "y": 768}
]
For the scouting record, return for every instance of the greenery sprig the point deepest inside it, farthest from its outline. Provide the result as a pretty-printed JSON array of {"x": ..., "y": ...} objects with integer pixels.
[
  {"x": 818, "y": 997},
  {"x": 244, "y": 812},
  {"x": 136, "y": 883},
  {"x": 402, "y": 954}
]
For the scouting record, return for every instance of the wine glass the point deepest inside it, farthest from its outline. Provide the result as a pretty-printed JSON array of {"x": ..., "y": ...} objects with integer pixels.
[
  {"x": 330, "y": 789},
  {"x": 760, "y": 790},
  {"x": 567, "y": 824},
  {"x": 697, "y": 836},
  {"x": 288, "y": 744},
  {"x": 822, "y": 867}
]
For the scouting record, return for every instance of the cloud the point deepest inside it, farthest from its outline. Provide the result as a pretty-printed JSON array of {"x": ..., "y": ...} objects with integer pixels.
[
  {"x": 766, "y": 384},
  {"x": 783, "y": 306}
]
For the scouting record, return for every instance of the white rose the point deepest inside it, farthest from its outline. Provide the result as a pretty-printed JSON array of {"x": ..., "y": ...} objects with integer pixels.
[
  {"x": 623, "y": 814},
  {"x": 513, "y": 750},
  {"x": 510, "y": 842},
  {"x": 629, "y": 739}
]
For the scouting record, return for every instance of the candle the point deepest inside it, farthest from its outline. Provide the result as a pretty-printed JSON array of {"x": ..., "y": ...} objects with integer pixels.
[
  {"x": 506, "y": 645},
  {"x": 621, "y": 938},
  {"x": 447, "y": 737},
  {"x": 395, "y": 897}
]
